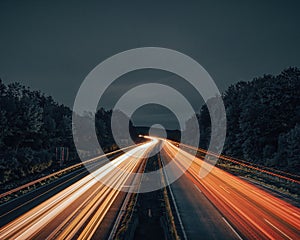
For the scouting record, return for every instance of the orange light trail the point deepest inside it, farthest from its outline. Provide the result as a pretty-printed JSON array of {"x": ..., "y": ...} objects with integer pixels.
[
  {"x": 247, "y": 164},
  {"x": 254, "y": 212}
]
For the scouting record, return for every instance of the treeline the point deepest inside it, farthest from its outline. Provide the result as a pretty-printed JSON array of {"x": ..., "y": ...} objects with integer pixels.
[
  {"x": 263, "y": 126},
  {"x": 32, "y": 126},
  {"x": 263, "y": 121}
]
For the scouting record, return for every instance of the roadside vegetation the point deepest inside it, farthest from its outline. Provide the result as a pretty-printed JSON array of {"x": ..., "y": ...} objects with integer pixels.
[
  {"x": 32, "y": 127},
  {"x": 263, "y": 127},
  {"x": 263, "y": 121},
  {"x": 287, "y": 188}
]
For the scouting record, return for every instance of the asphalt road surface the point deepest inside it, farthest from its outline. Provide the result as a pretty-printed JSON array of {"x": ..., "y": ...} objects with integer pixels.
[
  {"x": 217, "y": 206},
  {"x": 251, "y": 212},
  {"x": 78, "y": 210}
]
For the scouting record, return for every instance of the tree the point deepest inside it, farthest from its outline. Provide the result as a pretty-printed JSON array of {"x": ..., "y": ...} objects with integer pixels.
[
  {"x": 260, "y": 117},
  {"x": 293, "y": 148}
]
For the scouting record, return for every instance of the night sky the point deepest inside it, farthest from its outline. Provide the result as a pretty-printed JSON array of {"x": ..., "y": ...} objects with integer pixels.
[{"x": 52, "y": 45}]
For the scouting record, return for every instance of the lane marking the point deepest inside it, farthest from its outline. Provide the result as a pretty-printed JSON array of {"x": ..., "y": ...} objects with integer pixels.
[
  {"x": 197, "y": 188},
  {"x": 226, "y": 201},
  {"x": 277, "y": 229},
  {"x": 174, "y": 202},
  {"x": 239, "y": 237},
  {"x": 136, "y": 183}
]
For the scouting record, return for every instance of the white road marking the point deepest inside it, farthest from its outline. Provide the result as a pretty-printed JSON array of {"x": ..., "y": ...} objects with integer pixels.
[
  {"x": 277, "y": 229},
  {"x": 197, "y": 188},
  {"x": 239, "y": 237},
  {"x": 174, "y": 202}
]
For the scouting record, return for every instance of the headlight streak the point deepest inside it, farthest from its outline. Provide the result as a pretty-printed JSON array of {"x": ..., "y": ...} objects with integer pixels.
[{"x": 35, "y": 222}]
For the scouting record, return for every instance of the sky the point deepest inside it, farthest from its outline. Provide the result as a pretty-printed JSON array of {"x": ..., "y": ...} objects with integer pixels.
[{"x": 52, "y": 45}]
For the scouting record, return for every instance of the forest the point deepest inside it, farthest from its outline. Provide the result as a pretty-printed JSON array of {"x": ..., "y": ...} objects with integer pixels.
[
  {"x": 32, "y": 127},
  {"x": 263, "y": 121},
  {"x": 263, "y": 126}
]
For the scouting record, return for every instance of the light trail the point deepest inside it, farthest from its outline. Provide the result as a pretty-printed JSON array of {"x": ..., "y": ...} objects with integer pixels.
[
  {"x": 77, "y": 211},
  {"x": 255, "y": 213},
  {"x": 256, "y": 167},
  {"x": 27, "y": 185}
]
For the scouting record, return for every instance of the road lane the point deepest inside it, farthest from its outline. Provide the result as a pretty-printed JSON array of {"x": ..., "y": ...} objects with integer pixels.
[
  {"x": 78, "y": 210},
  {"x": 19, "y": 205},
  {"x": 254, "y": 212},
  {"x": 219, "y": 206},
  {"x": 200, "y": 219}
]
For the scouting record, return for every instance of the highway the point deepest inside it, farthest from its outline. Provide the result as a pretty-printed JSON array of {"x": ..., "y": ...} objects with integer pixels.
[
  {"x": 19, "y": 205},
  {"x": 218, "y": 206},
  {"x": 200, "y": 219},
  {"x": 248, "y": 211},
  {"x": 78, "y": 211}
]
